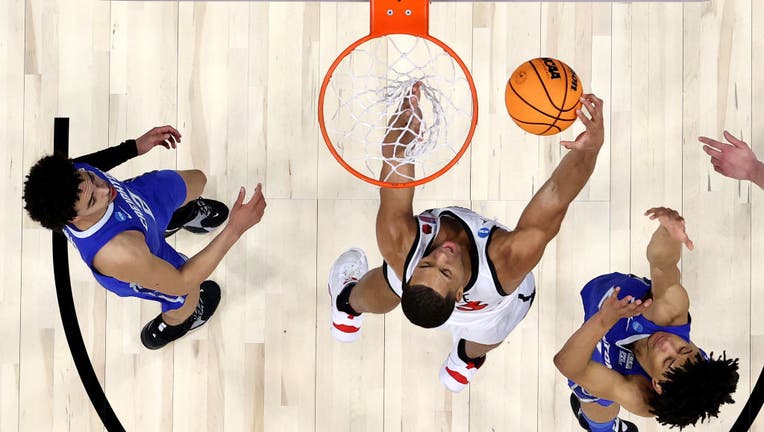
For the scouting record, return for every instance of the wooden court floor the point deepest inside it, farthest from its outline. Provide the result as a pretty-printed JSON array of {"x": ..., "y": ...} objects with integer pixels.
[{"x": 240, "y": 81}]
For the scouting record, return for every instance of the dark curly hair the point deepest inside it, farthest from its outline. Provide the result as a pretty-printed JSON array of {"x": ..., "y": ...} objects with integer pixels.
[
  {"x": 695, "y": 391},
  {"x": 50, "y": 191},
  {"x": 425, "y": 307}
]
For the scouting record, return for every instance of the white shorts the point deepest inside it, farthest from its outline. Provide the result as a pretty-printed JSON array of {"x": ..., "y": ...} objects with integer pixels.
[
  {"x": 486, "y": 327},
  {"x": 494, "y": 326}
]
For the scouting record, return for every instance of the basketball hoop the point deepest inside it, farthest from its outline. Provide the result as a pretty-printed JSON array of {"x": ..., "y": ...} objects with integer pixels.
[{"x": 365, "y": 85}]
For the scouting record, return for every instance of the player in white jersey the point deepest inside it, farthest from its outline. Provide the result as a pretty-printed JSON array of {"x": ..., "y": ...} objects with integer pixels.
[{"x": 451, "y": 268}]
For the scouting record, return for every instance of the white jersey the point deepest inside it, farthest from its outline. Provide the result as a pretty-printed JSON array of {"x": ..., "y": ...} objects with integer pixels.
[{"x": 484, "y": 302}]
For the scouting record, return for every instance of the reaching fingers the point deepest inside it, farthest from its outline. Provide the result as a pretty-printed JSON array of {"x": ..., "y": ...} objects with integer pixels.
[
  {"x": 584, "y": 119},
  {"x": 711, "y": 151},
  {"x": 257, "y": 195},
  {"x": 570, "y": 144},
  {"x": 240, "y": 197},
  {"x": 169, "y": 130},
  {"x": 593, "y": 106},
  {"x": 736, "y": 142},
  {"x": 713, "y": 143}
]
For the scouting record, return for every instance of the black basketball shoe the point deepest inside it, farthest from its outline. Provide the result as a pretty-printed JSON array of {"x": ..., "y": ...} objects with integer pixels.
[
  {"x": 199, "y": 216},
  {"x": 157, "y": 333},
  {"x": 620, "y": 425}
]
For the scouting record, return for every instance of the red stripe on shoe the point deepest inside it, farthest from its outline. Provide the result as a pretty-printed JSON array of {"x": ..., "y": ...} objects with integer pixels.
[
  {"x": 457, "y": 376},
  {"x": 345, "y": 328}
]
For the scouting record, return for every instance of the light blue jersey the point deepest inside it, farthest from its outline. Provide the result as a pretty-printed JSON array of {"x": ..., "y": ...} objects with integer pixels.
[{"x": 144, "y": 204}]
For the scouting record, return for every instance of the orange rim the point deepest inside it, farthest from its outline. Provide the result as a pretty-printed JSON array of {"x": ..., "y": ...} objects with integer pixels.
[{"x": 378, "y": 182}]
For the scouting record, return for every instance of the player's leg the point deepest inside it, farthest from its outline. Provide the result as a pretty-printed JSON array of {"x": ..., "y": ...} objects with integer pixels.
[
  {"x": 195, "y": 181},
  {"x": 600, "y": 416},
  {"x": 476, "y": 350},
  {"x": 371, "y": 294},
  {"x": 173, "y": 323},
  {"x": 176, "y": 317}
]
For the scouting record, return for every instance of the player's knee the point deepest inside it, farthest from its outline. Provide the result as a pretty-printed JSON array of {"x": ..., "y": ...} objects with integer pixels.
[{"x": 195, "y": 182}]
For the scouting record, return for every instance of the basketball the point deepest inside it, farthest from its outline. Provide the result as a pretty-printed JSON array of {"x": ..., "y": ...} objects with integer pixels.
[{"x": 542, "y": 96}]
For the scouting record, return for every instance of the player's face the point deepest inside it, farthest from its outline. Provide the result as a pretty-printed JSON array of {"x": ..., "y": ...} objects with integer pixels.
[
  {"x": 665, "y": 351},
  {"x": 443, "y": 270},
  {"x": 94, "y": 196}
]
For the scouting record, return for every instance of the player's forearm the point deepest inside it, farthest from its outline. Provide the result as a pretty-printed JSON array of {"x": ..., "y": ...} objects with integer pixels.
[
  {"x": 397, "y": 198},
  {"x": 570, "y": 176},
  {"x": 663, "y": 251},
  {"x": 111, "y": 157},
  {"x": 575, "y": 355},
  {"x": 199, "y": 267}
]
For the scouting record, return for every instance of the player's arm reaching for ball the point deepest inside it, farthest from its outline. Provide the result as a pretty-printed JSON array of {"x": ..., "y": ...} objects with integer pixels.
[
  {"x": 735, "y": 160},
  {"x": 128, "y": 258},
  {"x": 396, "y": 226},
  {"x": 106, "y": 159},
  {"x": 671, "y": 302},
  {"x": 541, "y": 219},
  {"x": 574, "y": 360}
]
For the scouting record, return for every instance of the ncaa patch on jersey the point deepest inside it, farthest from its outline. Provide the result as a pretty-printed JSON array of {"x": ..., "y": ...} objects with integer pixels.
[
  {"x": 483, "y": 232},
  {"x": 120, "y": 216}
]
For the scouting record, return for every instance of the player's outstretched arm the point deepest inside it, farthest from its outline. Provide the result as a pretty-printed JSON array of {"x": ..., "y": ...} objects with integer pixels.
[
  {"x": 542, "y": 218},
  {"x": 111, "y": 157},
  {"x": 127, "y": 258},
  {"x": 395, "y": 220},
  {"x": 663, "y": 254},
  {"x": 735, "y": 160},
  {"x": 574, "y": 359}
]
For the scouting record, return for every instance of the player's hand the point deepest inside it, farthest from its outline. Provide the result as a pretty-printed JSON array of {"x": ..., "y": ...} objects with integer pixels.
[
  {"x": 734, "y": 160},
  {"x": 673, "y": 222},
  {"x": 614, "y": 309},
  {"x": 246, "y": 215},
  {"x": 404, "y": 126},
  {"x": 592, "y": 138},
  {"x": 166, "y": 136}
]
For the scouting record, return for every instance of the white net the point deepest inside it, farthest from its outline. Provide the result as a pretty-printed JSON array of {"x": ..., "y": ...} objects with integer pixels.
[{"x": 366, "y": 91}]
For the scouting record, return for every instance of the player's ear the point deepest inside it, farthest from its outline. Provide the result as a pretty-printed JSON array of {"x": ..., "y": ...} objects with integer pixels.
[
  {"x": 459, "y": 294},
  {"x": 657, "y": 386}
]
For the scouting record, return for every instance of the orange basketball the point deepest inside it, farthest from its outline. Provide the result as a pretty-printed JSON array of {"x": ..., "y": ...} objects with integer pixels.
[{"x": 543, "y": 95}]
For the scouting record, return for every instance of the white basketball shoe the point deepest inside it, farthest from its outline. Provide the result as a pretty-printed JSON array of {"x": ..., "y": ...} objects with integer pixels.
[
  {"x": 348, "y": 268},
  {"x": 457, "y": 372}
]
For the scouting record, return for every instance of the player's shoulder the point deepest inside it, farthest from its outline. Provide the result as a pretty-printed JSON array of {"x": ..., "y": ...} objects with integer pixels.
[
  {"x": 396, "y": 240},
  {"x": 122, "y": 249}
]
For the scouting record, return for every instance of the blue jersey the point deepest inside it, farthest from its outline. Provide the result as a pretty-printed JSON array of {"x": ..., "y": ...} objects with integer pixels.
[
  {"x": 612, "y": 350},
  {"x": 144, "y": 204}
]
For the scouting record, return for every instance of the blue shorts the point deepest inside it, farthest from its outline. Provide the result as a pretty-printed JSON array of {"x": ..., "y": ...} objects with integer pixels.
[{"x": 164, "y": 200}]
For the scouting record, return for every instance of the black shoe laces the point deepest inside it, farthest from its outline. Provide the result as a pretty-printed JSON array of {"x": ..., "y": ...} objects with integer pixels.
[{"x": 203, "y": 207}]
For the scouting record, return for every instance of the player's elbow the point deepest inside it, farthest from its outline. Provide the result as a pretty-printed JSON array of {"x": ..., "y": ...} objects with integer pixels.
[{"x": 563, "y": 365}]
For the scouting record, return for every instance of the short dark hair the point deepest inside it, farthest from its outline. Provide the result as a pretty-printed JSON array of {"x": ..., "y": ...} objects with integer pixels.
[
  {"x": 425, "y": 307},
  {"x": 695, "y": 391},
  {"x": 51, "y": 190}
]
